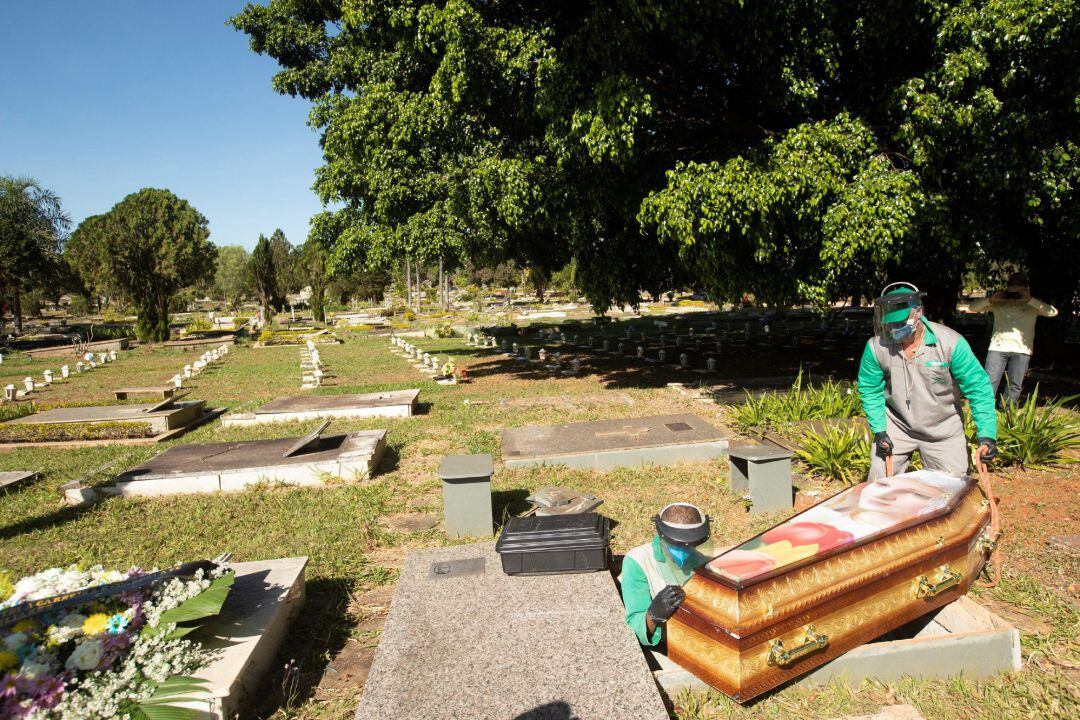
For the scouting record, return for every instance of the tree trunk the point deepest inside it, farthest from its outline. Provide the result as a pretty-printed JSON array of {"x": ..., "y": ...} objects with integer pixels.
[
  {"x": 441, "y": 302},
  {"x": 16, "y": 308},
  {"x": 417, "y": 273},
  {"x": 408, "y": 283}
]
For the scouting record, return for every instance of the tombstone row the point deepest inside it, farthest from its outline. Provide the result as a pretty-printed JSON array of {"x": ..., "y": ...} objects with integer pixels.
[
  {"x": 205, "y": 360},
  {"x": 311, "y": 367},
  {"x": 88, "y": 362},
  {"x": 444, "y": 372}
]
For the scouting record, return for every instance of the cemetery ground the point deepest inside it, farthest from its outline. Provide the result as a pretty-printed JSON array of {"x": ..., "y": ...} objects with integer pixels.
[{"x": 351, "y": 530}]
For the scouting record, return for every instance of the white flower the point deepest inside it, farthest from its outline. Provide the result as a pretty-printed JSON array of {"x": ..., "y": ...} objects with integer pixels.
[
  {"x": 86, "y": 656},
  {"x": 63, "y": 633},
  {"x": 14, "y": 641},
  {"x": 31, "y": 669}
]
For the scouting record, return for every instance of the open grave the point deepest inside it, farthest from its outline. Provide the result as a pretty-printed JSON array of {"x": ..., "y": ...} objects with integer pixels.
[
  {"x": 465, "y": 640},
  {"x": 231, "y": 466},
  {"x": 606, "y": 444},
  {"x": 132, "y": 424},
  {"x": 395, "y": 403}
]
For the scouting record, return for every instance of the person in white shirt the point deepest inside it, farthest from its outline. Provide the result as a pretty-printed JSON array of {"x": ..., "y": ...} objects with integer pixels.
[{"x": 1015, "y": 312}]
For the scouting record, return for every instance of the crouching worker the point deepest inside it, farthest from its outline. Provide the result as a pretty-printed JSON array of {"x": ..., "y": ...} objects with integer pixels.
[{"x": 653, "y": 574}]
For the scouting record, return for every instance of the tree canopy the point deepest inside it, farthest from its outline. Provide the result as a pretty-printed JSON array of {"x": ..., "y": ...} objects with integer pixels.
[
  {"x": 150, "y": 245},
  {"x": 802, "y": 150},
  {"x": 33, "y": 227},
  {"x": 231, "y": 279},
  {"x": 263, "y": 275}
]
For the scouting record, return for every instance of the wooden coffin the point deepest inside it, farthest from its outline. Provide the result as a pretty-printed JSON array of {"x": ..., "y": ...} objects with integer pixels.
[{"x": 861, "y": 563}]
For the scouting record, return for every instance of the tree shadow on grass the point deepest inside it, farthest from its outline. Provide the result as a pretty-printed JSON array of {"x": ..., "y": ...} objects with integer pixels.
[{"x": 64, "y": 515}]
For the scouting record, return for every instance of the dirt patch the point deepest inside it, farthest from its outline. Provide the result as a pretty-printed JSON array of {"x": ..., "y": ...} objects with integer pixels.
[{"x": 409, "y": 522}]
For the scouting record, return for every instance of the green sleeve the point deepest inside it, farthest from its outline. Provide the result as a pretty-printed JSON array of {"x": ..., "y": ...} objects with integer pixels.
[
  {"x": 637, "y": 598},
  {"x": 872, "y": 390},
  {"x": 975, "y": 384}
]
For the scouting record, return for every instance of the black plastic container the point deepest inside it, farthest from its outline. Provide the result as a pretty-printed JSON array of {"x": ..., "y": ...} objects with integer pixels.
[{"x": 555, "y": 544}]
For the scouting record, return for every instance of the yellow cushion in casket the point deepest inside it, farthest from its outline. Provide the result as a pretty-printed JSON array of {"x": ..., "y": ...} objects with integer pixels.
[{"x": 861, "y": 563}]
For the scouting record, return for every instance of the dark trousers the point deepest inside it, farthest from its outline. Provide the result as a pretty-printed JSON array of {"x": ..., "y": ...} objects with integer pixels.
[{"x": 1013, "y": 364}]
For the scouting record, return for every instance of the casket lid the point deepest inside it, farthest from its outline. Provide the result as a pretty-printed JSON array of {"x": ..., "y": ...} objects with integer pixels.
[{"x": 852, "y": 518}]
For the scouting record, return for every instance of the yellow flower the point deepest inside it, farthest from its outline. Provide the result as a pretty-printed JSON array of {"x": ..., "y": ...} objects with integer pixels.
[
  {"x": 95, "y": 624},
  {"x": 8, "y": 661},
  {"x": 6, "y": 586}
]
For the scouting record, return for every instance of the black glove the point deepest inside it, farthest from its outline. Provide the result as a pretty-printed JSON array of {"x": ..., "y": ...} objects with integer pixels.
[
  {"x": 666, "y": 602},
  {"x": 991, "y": 449},
  {"x": 883, "y": 444}
]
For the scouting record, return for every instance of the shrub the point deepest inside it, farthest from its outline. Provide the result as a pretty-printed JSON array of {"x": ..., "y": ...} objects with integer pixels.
[
  {"x": 837, "y": 453},
  {"x": 409, "y": 316},
  {"x": 198, "y": 325},
  {"x": 827, "y": 400},
  {"x": 444, "y": 331},
  {"x": 1034, "y": 435}
]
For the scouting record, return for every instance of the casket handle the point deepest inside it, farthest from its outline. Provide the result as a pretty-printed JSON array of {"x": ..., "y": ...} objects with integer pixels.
[
  {"x": 814, "y": 641},
  {"x": 948, "y": 578}
]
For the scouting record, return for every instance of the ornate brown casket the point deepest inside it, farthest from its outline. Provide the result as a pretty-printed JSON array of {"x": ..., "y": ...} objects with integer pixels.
[{"x": 864, "y": 562}]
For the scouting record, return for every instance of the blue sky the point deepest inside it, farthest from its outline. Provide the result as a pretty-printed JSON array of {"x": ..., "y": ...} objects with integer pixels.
[{"x": 100, "y": 99}]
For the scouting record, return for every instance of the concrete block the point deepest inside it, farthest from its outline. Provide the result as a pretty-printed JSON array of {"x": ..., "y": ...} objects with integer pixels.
[
  {"x": 764, "y": 473},
  {"x": 266, "y": 597}
]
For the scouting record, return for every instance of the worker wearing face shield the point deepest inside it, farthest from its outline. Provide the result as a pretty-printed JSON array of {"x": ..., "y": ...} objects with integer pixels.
[
  {"x": 653, "y": 574},
  {"x": 912, "y": 377}
]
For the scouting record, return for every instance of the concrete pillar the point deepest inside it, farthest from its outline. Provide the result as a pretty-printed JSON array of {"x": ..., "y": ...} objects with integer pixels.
[
  {"x": 764, "y": 473},
  {"x": 466, "y": 486}
]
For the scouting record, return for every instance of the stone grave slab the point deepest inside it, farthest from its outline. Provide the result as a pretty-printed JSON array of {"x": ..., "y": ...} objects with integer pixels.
[
  {"x": 162, "y": 391},
  {"x": 395, "y": 403},
  {"x": 177, "y": 415},
  {"x": 266, "y": 596},
  {"x": 9, "y": 479},
  {"x": 961, "y": 638},
  {"x": 465, "y": 640},
  {"x": 232, "y": 466},
  {"x": 606, "y": 444}
]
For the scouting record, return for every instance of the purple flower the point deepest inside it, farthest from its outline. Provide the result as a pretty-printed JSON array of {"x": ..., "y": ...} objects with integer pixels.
[
  {"x": 47, "y": 690},
  {"x": 9, "y": 685},
  {"x": 12, "y": 708}
]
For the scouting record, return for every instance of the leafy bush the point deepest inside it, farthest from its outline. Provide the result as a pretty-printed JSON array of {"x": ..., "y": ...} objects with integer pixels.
[
  {"x": 826, "y": 400},
  {"x": 409, "y": 316},
  {"x": 61, "y": 432},
  {"x": 837, "y": 453},
  {"x": 198, "y": 325},
  {"x": 1034, "y": 435},
  {"x": 444, "y": 331}
]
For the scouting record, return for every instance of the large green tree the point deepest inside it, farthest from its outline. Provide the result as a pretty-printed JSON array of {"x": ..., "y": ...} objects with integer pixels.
[
  {"x": 231, "y": 279},
  {"x": 150, "y": 245},
  {"x": 798, "y": 149},
  {"x": 33, "y": 226},
  {"x": 285, "y": 259},
  {"x": 263, "y": 276}
]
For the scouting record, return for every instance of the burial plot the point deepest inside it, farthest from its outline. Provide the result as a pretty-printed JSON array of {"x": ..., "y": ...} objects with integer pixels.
[
  {"x": 232, "y": 466},
  {"x": 606, "y": 444},
  {"x": 396, "y": 403},
  {"x": 161, "y": 421},
  {"x": 464, "y": 640}
]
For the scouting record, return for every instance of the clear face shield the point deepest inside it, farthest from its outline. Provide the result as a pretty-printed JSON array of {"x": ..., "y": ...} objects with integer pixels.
[
  {"x": 685, "y": 546},
  {"x": 897, "y": 312}
]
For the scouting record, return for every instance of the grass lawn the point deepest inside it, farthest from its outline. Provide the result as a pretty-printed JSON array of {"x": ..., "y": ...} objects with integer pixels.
[{"x": 354, "y": 558}]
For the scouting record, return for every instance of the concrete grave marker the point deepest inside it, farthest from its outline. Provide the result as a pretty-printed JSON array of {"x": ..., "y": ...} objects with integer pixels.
[
  {"x": 65, "y": 371},
  {"x": 10, "y": 393}
]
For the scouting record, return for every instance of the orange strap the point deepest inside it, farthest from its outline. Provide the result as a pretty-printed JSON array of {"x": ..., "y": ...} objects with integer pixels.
[
  {"x": 995, "y": 522},
  {"x": 995, "y": 515}
]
